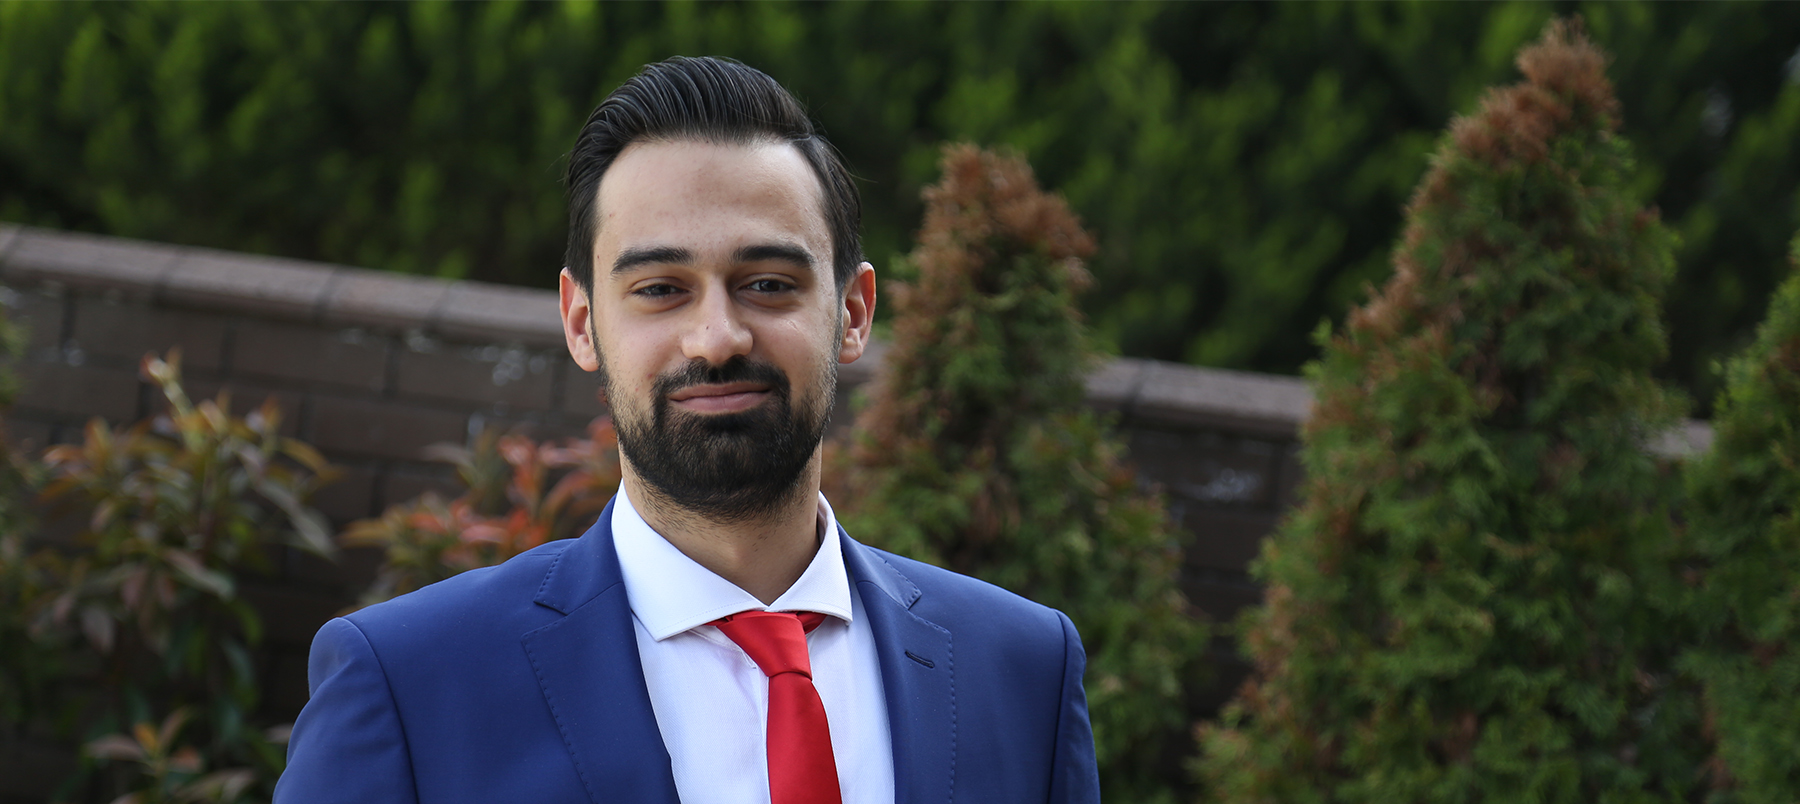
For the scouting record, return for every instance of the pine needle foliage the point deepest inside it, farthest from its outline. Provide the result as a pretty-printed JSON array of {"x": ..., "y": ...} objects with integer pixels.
[
  {"x": 1470, "y": 602},
  {"x": 977, "y": 453},
  {"x": 1745, "y": 525}
]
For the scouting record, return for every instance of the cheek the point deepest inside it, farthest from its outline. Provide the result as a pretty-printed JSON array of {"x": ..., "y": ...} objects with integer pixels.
[
  {"x": 805, "y": 342},
  {"x": 635, "y": 349}
]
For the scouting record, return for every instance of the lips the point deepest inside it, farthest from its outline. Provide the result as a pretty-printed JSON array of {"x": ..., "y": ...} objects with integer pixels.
[
  {"x": 737, "y": 385},
  {"x": 720, "y": 398}
]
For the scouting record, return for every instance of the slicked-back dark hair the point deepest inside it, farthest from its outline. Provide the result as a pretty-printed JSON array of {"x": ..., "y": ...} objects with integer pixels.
[{"x": 714, "y": 100}]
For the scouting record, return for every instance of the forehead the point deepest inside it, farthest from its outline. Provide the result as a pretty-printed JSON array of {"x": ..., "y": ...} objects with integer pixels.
[{"x": 697, "y": 195}]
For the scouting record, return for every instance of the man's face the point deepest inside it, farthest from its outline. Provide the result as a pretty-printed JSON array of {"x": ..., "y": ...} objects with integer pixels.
[{"x": 714, "y": 320}]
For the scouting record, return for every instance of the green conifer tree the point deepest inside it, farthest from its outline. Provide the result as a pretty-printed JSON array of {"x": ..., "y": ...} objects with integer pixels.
[
  {"x": 979, "y": 454},
  {"x": 1469, "y": 603},
  {"x": 1745, "y": 526}
]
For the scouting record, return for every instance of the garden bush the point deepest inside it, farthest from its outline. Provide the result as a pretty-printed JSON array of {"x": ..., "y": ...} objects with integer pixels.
[
  {"x": 1472, "y": 602},
  {"x": 134, "y": 641},
  {"x": 140, "y": 643},
  {"x": 518, "y": 494},
  {"x": 1744, "y": 525},
  {"x": 977, "y": 452}
]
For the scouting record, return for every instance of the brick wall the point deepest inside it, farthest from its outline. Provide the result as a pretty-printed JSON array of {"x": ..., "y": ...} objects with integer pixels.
[{"x": 372, "y": 367}]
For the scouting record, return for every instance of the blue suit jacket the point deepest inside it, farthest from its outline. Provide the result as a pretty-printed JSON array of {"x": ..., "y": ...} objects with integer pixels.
[{"x": 521, "y": 683}]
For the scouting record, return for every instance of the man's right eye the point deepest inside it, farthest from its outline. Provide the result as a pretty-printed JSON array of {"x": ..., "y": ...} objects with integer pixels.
[{"x": 656, "y": 291}]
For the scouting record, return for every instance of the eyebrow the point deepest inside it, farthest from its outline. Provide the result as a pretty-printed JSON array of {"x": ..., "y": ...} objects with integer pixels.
[
  {"x": 633, "y": 258},
  {"x": 780, "y": 252}
]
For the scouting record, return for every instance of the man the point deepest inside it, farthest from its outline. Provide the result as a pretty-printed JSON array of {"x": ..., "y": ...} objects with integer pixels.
[{"x": 715, "y": 637}]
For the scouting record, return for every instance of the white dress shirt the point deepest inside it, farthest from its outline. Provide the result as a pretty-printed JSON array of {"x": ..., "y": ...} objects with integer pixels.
[{"x": 712, "y": 701}]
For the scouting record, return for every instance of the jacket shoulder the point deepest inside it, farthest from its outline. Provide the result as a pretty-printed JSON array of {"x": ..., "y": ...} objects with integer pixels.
[
  {"x": 963, "y": 603},
  {"x": 499, "y": 598}
]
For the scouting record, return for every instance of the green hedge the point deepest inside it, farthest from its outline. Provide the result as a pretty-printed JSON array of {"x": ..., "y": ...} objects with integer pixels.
[
  {"x": 1242, "y": 165},
  {"x": 977, "y": 453},
  {"x": 1475, "y": 600},
  {"x": 1745, "y": 576}
]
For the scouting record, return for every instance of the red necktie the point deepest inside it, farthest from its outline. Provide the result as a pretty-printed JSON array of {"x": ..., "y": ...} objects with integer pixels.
[{"x": 801, "y": 767}]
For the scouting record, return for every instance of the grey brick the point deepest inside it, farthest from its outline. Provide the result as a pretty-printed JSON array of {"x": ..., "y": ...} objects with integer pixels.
[
  {"x": 1113, "y": 386},
  {"x": 284, "y": 687},
  {"x": 390, "y": 301},
  {"x": 844, "y": 409},
  {"x": 64, "y": 392},
  {"x": 582, "y": 396},
  {"x": 39, "y": 315},
  {"x": 291, "y": 615},
  {"x": 481, "y": 313},
  {"x": 301, "y": 354},
  {"x": 1264, "y": 404},
  {"x": 351, "y": 496},
  {"x": 866, "y": 368},
  {"x": 405, "y": 484},
  {"x": 356, "y": 568},
  {"x": 27, "y": 436},
  {"x": 245, "y": 283},
  {"x": 509, "y": 379},
  {"x": 348, "y": 573},
  {"x": 1291, "y": 475},
  {"x": 84, "y": 261},
  {"x": 535, "y": 427},
  {"x": 125, "y": 332},
  {"x": 1221, "y": 601},
  {"x": 1222, "y": 538},
  {"x": 1206, "y": 467},
  {"x": 1228, "y": 673},
  {"x": 32, "y": 770},
  {"x": 378, "y": 429}
]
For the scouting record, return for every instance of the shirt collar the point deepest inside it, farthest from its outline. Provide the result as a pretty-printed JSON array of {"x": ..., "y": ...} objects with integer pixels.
[{"x": 671, "y": 593}]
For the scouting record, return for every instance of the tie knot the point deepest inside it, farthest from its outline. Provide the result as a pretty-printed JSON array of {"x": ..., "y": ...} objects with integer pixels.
[{"x": 775, "y": 640}]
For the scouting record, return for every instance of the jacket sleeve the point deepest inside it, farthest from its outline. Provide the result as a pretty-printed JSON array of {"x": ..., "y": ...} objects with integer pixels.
[
  {"x": 348, "y": 746},
  {"x": 1075, "y": 777}
]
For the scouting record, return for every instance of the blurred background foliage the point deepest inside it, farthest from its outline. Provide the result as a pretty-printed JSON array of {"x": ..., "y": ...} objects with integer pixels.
[
  {"x": 132, "y": 634},
  {"x": 1242, "y": 165}
]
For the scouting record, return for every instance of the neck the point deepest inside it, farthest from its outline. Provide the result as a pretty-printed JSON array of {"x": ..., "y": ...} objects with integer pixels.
[{"x": 763, "y": 554}]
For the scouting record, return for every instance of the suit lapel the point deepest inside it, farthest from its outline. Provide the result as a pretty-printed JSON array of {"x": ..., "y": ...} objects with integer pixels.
[
  {"x": 918, "y": 675},
  {"x": 587, "y": 665}
]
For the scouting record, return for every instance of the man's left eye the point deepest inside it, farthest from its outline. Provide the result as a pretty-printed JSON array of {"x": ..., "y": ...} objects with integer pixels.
[{"x": 769, "y": 286}]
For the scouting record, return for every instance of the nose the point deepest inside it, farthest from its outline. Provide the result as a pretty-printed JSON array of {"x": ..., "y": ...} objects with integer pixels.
[{"x": 718, "y": 333}]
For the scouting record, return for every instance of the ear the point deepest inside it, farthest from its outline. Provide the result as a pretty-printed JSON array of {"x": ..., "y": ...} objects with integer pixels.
[
  {"x": 858, "y": 312},
  {"x": 577, "y": 318}
]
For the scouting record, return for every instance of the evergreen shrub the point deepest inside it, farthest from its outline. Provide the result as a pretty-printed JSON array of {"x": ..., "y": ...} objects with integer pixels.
[
  {"x": 1744, "y": 521},
  {"x": 976, "y": 452},
  {"x": 1471, "y": 602}
]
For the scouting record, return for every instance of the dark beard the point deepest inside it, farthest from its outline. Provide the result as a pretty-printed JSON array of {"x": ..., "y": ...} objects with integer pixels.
[{"x": 727, "y": 467}]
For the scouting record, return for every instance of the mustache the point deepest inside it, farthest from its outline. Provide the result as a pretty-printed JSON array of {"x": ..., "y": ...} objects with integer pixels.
[{"x": 737, "y": 369}]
